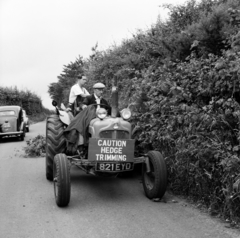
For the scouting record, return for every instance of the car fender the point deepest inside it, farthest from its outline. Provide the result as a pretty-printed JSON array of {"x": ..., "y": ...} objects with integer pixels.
[{"x": 22, "y": 126}]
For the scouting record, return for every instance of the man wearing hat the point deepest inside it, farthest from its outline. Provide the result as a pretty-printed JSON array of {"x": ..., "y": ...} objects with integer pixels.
[
  {"x": 77, "y": 93},
  {"x": 96, "y": 98},
  {"x": 76, "y": 134}
]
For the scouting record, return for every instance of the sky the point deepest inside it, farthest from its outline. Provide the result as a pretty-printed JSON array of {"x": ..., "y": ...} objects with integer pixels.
[{"x": 39, "y": 37}]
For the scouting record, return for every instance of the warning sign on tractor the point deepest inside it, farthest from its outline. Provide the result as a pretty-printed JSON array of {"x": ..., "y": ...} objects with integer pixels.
[{"x": 111, "y": 150}]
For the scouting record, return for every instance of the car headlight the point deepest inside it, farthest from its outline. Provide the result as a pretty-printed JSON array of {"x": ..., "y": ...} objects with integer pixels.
[
  {"x": 101, "y": 113},
  {"x": 126, "y": 113}
]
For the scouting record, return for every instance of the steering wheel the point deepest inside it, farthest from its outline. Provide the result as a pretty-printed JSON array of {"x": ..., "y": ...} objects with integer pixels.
[{"x": 95, "y": 104}]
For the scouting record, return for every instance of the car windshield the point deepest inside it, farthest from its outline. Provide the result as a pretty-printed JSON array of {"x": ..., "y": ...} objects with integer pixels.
[{"x": 7, "y": 113}]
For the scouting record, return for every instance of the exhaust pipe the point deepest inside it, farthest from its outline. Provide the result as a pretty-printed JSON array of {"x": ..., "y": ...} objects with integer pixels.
[{"x": 114, "y": 99}]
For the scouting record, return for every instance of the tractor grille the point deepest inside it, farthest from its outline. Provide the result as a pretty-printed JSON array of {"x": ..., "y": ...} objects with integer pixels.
[{"x": 111, "y": 134}]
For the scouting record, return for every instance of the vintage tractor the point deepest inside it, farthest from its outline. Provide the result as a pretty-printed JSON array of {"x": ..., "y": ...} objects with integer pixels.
[{"x": 110, "y": 152}]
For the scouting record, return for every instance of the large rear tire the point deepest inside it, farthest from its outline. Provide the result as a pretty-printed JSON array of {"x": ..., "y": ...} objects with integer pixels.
[
  {"x": 61, "y": 181},
  {"x": 155, "y": 181},
  {"x": 55, "y": 142}
]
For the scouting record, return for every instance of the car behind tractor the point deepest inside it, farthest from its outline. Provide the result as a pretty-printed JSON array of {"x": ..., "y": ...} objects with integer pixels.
[
  {"x": 12, "y": 122},
  {"x": 110, "y": 152}
]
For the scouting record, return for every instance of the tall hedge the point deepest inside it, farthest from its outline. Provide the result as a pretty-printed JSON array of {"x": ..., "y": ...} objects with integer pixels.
[{"x": 28, "y": 100}]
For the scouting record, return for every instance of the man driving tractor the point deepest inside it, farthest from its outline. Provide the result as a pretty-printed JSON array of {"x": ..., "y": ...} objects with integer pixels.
[
  {"x": 76, "y": 133},
  {"x": 96, "y": 98}
]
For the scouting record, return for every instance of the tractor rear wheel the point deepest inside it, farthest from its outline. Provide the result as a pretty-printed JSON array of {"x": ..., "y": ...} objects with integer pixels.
[{"x": 55, "y": 142}]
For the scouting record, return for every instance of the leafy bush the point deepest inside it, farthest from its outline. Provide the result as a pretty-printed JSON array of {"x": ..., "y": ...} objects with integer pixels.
[
  {"x": 191, "y": 112},
  {"x": 27, "y": 99},
  {"x": 35, "y": 147}
]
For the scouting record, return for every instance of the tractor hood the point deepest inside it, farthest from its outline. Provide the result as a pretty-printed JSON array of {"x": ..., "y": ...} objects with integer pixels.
[{"x": 115, "y": 128}]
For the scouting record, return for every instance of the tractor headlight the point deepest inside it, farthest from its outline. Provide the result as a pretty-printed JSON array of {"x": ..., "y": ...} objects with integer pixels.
[
  {"x": 101, "y": 113},
  {"x": 126, "y": 113}
]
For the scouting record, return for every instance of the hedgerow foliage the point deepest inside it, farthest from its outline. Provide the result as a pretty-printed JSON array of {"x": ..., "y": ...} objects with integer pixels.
[
  {"x": 181, "y": 80},
  {"x": 27, "y": 99},
  {"x": 192, "y": 115},
  {"x": 35, "y": 147},
  {"x": 60, "y": 90}
]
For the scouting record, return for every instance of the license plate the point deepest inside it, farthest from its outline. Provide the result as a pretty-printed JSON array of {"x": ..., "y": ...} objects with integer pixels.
[{"x": 114, "y": 167}]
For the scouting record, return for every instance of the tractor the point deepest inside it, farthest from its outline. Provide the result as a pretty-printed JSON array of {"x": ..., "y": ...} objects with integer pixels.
[{"x": 110, "y": 152}]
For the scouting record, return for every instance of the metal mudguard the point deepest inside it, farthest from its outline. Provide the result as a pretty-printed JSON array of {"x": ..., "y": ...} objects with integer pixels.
[{"x": 64, "y": 117}]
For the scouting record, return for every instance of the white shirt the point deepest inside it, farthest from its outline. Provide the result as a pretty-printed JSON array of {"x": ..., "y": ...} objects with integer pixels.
[{"x": 75, "y": 91}]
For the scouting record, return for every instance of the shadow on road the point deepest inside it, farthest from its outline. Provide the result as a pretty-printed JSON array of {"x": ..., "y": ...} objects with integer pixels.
[{"x": 10, "y": 139}]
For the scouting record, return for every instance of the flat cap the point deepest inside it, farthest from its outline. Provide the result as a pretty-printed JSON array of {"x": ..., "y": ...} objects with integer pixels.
[{"x": 98, "y": 85}]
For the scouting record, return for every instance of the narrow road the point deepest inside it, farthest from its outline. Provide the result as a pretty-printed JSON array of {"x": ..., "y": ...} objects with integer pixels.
[{"x": 99, "y": 207}]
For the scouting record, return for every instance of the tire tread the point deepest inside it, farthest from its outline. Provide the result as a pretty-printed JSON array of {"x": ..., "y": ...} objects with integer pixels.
[
  {"x": 160, "y": 169},
  {"x": 55, "y": 142}
]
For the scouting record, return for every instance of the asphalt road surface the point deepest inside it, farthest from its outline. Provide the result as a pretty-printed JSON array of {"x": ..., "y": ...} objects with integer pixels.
[{"x": 99, "y": 207}]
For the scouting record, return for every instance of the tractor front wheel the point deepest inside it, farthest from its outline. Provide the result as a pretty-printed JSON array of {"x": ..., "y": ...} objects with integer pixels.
[
  {"x": 61, "y": 180},
  {"x": 154, "y": 179}
]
